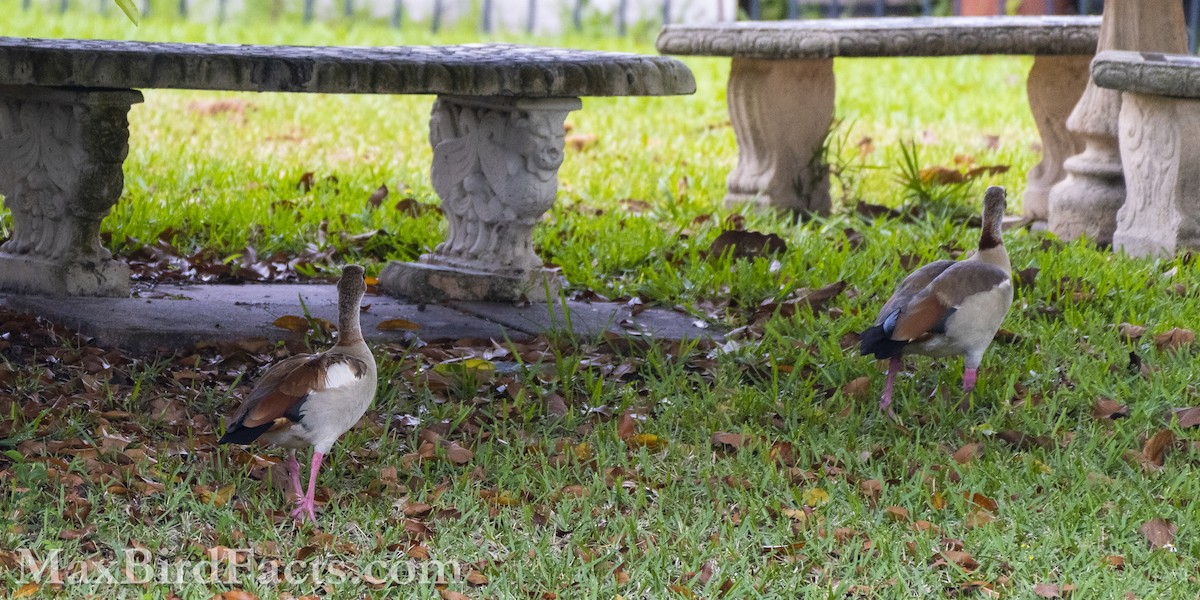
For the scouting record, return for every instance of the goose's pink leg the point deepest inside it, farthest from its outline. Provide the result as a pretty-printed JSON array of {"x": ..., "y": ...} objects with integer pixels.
[
  {"x": 969, "y": 380},
  {"x": 885, "y": 403},
  {"x": 305, "y": 504}
]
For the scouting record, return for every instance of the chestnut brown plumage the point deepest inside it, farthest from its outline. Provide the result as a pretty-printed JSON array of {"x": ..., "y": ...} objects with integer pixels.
[
  {"x": 312, "y": 399},
  {"x": 947, "y": 308}
]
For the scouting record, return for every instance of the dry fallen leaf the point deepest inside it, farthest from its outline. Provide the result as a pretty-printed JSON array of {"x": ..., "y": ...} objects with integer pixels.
[
  {"x": 733, "y": 440},
  {"x": 968, "y": 453},
  {"x": 815, "y": 497},
  {"x": 397, "y": 325},
  {"x": 238, "y": 595},
  {"x": 977, "y": 518},
  {"x": 378, "y": 196},
  {"x": 458, "y": 455},
  {"x": 1188, "y": 417},
  {"x": 218, "y": 498},
  {"x": 291, "y": 323},
  {"x": 476, "y": 578},
  {"x": 1047, "y": 590},
  {"x": 579, "y": 141},
  {"x": 858, "y": 388},
  {"x": 941, "y": 175},
  {"x": 1174, "y": 339},
  {"x": 1155, "y": 449},
  {"x": 25, "y": 591},
  {"x": 626, "y": 426},
  {"x": 981, "y": 501},
  {"x": 647, "y": 440},
  {"x": 1106, "y": 408},
  {"x": 960, "y": 558},
  {"x": 746, "y": 244},
  {"x": 1159, "y": 532},
  {"x": 1130, "y": 331},
  {"x": 796, "y": 514},
  {"x": 1115, "y": 561}
]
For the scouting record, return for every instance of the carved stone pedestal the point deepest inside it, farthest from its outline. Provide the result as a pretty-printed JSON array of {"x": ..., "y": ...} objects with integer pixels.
[
  {"x": 1086, "y": 202},
  {"x": 1161, "y": 155},
  {"x": 1054, "y": 86},
  {"x": 60, "y": 172},
  {"x": 781, "y": 111},
  {"x": 495, "y": 167},
  {"x": 1160, "y": 149}
]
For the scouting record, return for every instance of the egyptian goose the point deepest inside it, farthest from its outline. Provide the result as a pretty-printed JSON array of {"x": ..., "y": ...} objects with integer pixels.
[
  {"x": 312, "y": 399},
  {"x": 947, "y": 308}
]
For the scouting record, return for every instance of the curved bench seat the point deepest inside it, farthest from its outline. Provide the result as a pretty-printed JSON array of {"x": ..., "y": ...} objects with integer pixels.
[
  {"x": 786, "y": 68},
  {"x": 64, "y": 135}
]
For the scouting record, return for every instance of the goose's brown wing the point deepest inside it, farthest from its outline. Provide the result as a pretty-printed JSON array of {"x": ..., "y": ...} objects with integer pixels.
[{"x": 283, "y": 389}]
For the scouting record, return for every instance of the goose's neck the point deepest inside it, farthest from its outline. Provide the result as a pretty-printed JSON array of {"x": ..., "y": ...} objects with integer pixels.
[{"x": 996, "y": 255}]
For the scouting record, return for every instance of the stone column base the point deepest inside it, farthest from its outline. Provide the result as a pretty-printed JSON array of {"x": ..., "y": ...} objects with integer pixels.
[
  {"x": 424, "y": 282},
  {"x": 1054, "y": 87},
  {"x": 781, "y": 111},
  {"x": 26, "y": 274},
  {"x": 1160, "y": 149},
  {"x": 61, "y": 152},
  {"x": 495, "y": 168}
]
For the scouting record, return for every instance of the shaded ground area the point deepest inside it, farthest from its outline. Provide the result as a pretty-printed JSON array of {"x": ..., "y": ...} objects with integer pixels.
[{"x": 171, "y": 317}]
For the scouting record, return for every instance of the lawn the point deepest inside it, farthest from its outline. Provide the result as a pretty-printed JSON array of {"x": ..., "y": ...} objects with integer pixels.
[{"x": 606, "y": 468}]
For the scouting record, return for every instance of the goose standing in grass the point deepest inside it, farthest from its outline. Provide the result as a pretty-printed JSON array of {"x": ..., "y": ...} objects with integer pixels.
[
  {"x": 312, "y": 399},
  {"x": 947, "y": 308}
]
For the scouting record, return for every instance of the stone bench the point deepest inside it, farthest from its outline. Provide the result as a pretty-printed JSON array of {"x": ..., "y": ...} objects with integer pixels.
[
  {"x": 781, "y": 89},
  {"x": 496, "y": 130},
  {"x": 1159, "y": 136}
]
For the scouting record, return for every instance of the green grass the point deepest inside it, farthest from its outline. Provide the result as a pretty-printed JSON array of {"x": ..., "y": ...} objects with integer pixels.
[{"x": 220, "y": 183}]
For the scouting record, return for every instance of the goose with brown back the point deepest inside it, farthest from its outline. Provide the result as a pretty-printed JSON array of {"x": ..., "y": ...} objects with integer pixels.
[
  {"x": 312, "y": 399},
  {"x": 947, "y": 308}
]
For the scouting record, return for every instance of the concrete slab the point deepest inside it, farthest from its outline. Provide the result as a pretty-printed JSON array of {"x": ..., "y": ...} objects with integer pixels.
[
  {"x": 591, "y": 319},
  {"x": 168, "y": 317}
]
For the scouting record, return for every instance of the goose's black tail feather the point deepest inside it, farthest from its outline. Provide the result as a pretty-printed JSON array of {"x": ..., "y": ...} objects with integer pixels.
[{"x": 878, "y": 341}]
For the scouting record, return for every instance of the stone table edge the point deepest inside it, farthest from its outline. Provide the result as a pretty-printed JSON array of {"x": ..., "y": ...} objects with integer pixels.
[
  {"x": 1132, "y": 72},
  {"x": 803, "y": 39},
  {"x": 509, "y": 69}
]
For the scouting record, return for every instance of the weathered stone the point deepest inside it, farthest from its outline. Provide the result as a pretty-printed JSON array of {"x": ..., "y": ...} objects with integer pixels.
[
  {"x": 1086, "y": 201},
  {"x": 1160, "y": 149},
  {"x": 1054, "y": 86},
  {"x": 465, "y": 70},
  {"x": 497, "y": 132},
  {"x": 779, "y": 159},
  {"x": 173, "y": 317},
  {"x": 891, "y": 36},
  {"x": 782, "y": 69},
  {"x": 495, "y": 167},
  {"x": 1158, "y": 74},
  {"x": 61, "y": 153}
]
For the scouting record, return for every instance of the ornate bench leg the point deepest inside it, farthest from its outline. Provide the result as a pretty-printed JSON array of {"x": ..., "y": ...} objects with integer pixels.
[
  {"x": 60, "y": 173},
  {"x": 495, "y": 167},
  {"x": 1160, "y": 149},
  {"x": 1087, "y": 200},
  {"x": 1054, "y": 86},
  {"x": 781, "y": 111}
]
